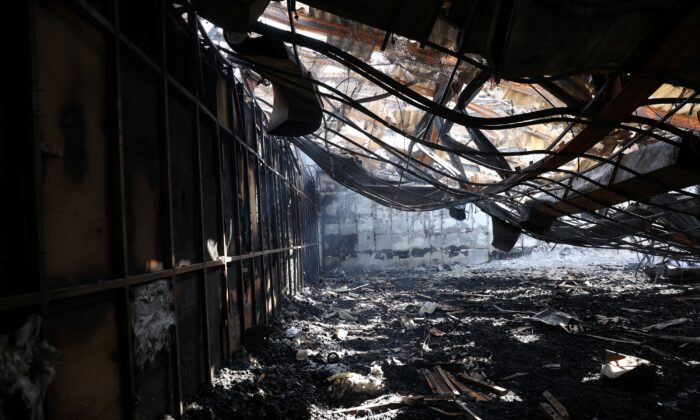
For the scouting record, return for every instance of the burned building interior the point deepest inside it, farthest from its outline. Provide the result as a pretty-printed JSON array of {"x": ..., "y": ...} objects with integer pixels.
[{"x": 417, "y": 209}]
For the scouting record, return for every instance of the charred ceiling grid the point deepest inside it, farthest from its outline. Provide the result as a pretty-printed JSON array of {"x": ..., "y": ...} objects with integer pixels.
[{"x": 538, "y": 112}]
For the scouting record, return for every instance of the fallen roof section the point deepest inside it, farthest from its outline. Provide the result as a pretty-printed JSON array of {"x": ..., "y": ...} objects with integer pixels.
[{"x": 525, "y": 109}]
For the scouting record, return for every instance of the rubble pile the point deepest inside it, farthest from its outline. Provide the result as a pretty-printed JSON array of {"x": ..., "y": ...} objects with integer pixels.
[{"x": 482, "y": 342}]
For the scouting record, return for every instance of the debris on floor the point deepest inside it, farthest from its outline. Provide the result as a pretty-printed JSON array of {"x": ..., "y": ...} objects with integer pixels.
[
  {"x": 622, "y": 369},
  {"x": 292, "y": 332},
  {"x": 407, "y": 323},
  {"x": 515, "y": 375},
  {"x": 436, "y": 332},
  {"x": 489, "y": 349},
  {"x": 559, "y": 319},
  {"x": 483, "y": 384},
  {"x": 427, "y": 308},
  {"x": 553, "y": 408},
  {"x": 346, "y": 315},
  {"x": 664, "y": 325},
  {"x": 344, "y": 383}
]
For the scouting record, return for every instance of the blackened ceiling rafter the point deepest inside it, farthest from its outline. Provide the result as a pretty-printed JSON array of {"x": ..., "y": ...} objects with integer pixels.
[{"x": 503, "y": 123}]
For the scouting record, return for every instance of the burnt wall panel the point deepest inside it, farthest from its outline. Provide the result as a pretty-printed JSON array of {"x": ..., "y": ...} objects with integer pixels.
[
  {"x": 229, "y": 194},
  {"x": 276, "y": 279},
  {"x": 253, "y": 203},
  {"x": 223, "y": 99},
  {"x": 145, "y": 206},
  {"x": 267, "y": 280},
  {"x": 154, "y": 384},
  {"x": 259, "y": 290},
  {"x": 6, "y": 213},
  {"x": 140, "y": 20},
  {"x": 185, "y": 198},
  {"x": 234, "y": 294},
  {"x": 210, "y": 187},
  {"x": 263, "y": 206},
  {"x": 180, "y": 49},
  {"x": 88, "y": 379},
  {"x": 17, "y": 216},
  {"x": 153, "y": 325},
  {"x": 209, "y": 81},
  {"x": 216, "y": 315},
  {"x": 72, "y": 96},
  {"x": 243, "y": 201},
  {"x": 238, "y": 108},
  {"x": 248, "y": 294},
  {"x": 188, "y": 299}
]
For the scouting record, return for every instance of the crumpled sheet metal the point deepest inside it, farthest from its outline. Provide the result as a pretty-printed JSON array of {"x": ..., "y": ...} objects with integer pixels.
[
  {"x": 152, "y": 316},
  {"x": 556, "y": 318}
]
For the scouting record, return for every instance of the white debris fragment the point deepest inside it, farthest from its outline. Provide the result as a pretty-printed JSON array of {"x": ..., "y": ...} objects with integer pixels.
[
  {"x": 618, "y": 364},
  {"x": 292, "y": 332},
  {"x": 351, "y": 382},
  {"x": 552, "y": 366},
  {"x": 662, "y": 325},
  {"x": 427, "y": 308}
]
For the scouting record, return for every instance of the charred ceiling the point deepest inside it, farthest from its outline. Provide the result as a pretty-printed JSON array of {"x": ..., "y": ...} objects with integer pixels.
[{"x": 573, "y": 121}]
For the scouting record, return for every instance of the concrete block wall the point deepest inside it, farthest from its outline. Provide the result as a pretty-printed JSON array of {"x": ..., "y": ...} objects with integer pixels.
[{"x": 359, "y": 233}]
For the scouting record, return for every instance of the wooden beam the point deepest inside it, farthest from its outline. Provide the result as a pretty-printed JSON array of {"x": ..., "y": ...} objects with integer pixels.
[
  {"x": 490, "y": 387},
  {"x": 686, "y": 122}
]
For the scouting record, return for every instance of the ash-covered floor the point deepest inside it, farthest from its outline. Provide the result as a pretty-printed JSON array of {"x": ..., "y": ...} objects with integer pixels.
[{"x": 485, "y": 313}]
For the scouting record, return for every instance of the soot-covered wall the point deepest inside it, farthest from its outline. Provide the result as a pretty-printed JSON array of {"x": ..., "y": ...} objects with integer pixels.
[{"x": 148, "y": 219}]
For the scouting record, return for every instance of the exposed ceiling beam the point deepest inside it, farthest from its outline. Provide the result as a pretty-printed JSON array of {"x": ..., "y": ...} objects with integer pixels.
[
  {"x": 686, "y": 122},
  {"x": 369, "y": 36},
  {"x": 628, "y": 98},
  {"x": 658, "y": 168}
]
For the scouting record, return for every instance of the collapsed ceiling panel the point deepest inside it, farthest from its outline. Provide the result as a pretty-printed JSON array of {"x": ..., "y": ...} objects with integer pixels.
[{"x": 573, "y": 121}]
